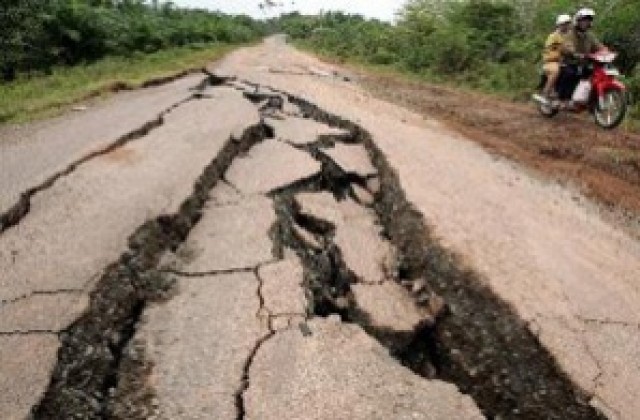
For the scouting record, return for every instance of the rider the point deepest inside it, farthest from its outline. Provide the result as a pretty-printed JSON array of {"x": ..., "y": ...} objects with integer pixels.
[
  {"x": 584, "y": 42},
  {"x": 556, "y": 48}
]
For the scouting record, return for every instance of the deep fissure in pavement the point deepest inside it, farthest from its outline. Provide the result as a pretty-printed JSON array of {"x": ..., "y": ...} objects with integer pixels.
[
  {"x": 134, "y": 399},
  {"x": 91, "y": 350},
  {"x": 326, "y": 277},
  {"x": 478, "y": 343}
]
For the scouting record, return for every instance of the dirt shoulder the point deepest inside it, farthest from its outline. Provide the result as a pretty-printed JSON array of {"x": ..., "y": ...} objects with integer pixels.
[{"x": 572, "y": 149}]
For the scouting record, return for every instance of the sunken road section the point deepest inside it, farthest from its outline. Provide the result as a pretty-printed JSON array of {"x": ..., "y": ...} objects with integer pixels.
[{"x": 477, "y": 342}]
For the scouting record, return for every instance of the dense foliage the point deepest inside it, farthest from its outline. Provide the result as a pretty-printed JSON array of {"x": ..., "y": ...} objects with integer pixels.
[
  {"x": 38, "y": 34},
  {"x": 489, "y": 44}
]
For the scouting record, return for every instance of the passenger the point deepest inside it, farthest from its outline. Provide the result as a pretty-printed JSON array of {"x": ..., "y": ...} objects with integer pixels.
[{"x": 557, "y": 47}]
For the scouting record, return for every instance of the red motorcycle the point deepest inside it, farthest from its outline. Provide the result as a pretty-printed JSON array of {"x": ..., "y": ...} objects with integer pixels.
[{"x": 601, "y": 93}]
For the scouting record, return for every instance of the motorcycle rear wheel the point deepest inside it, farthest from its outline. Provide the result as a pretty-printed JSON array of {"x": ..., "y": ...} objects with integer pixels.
[{"x": 610, "y": 112}]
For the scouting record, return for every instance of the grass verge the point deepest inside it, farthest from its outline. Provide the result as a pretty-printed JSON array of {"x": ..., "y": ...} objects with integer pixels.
[{"x": 31, "y": 98}]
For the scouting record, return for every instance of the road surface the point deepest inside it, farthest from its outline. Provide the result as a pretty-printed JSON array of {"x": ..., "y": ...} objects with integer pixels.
[{"x": 278, "y": 244}]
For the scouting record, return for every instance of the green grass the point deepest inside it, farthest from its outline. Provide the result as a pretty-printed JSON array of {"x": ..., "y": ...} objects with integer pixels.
[{"x": 31, "y": 98}]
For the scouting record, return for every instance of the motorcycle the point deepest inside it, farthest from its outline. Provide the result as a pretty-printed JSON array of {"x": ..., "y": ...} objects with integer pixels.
[{"x": 596, "y": 88}]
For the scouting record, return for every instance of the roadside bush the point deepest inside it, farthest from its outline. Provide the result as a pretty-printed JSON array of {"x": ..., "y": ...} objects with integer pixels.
[
  {"x": 633, "y": 83},
  {"x": 38, "y": 34},
  {"x": 383, "y": 56},
  {"x": 21, "y": 24},
  {"x": 450, "y": 50},
  {"x": 515, "y": 78},
  {"x": 490, "y": 25}
]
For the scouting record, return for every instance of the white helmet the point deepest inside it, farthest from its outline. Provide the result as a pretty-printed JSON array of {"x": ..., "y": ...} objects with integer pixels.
[
  {"x": 585, "y": 13},
  {"x": 562, "y": 19}
]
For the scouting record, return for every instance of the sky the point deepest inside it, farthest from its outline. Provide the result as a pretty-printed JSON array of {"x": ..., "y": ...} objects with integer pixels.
[{"x": 381, "y": 9}]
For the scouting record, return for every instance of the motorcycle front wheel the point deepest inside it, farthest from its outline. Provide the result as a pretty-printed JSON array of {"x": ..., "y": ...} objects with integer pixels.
[{"x": 610, "y": 111}]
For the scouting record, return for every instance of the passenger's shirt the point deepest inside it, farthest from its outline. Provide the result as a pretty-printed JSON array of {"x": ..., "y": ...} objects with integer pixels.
[{"x": 557, "y": 45}]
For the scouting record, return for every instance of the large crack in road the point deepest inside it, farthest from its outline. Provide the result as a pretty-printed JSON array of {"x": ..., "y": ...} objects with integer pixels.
[
  {"x": 480, "y": 344},
  {"x": 91, "y": 351},
  {"x": 278, "y": 314},
  {"x": 20, "y": 209},
  {"x": 368, "y": 260},
  {"x": 16, "y": 212}
]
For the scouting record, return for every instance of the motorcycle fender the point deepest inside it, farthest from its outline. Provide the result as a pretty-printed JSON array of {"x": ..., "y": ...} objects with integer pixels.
[{"x": 601, "y": 88}]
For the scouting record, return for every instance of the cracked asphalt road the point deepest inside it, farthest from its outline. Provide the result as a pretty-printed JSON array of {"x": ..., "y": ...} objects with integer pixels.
[
  {"x": 50, "y": 146},
  {"x": 290, "y": 234}
]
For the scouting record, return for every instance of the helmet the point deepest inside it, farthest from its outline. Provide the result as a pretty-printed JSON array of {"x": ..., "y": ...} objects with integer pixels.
[
  {"x": 562, "y": 19},
  {"x": 585, "y": 13}
]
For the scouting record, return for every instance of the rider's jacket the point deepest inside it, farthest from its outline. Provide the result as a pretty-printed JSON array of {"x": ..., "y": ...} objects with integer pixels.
[{"x": 582, "y": 42}]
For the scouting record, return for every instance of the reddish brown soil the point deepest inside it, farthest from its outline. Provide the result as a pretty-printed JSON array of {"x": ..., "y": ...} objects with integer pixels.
[{"x": 605, "y": 164}]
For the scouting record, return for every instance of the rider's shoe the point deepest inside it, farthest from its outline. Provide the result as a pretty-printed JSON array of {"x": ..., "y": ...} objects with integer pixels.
[{"x": 542, "y": 99}]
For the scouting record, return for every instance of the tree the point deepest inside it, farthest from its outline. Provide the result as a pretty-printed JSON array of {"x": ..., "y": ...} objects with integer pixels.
[{"x": 20, "y": 33}]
